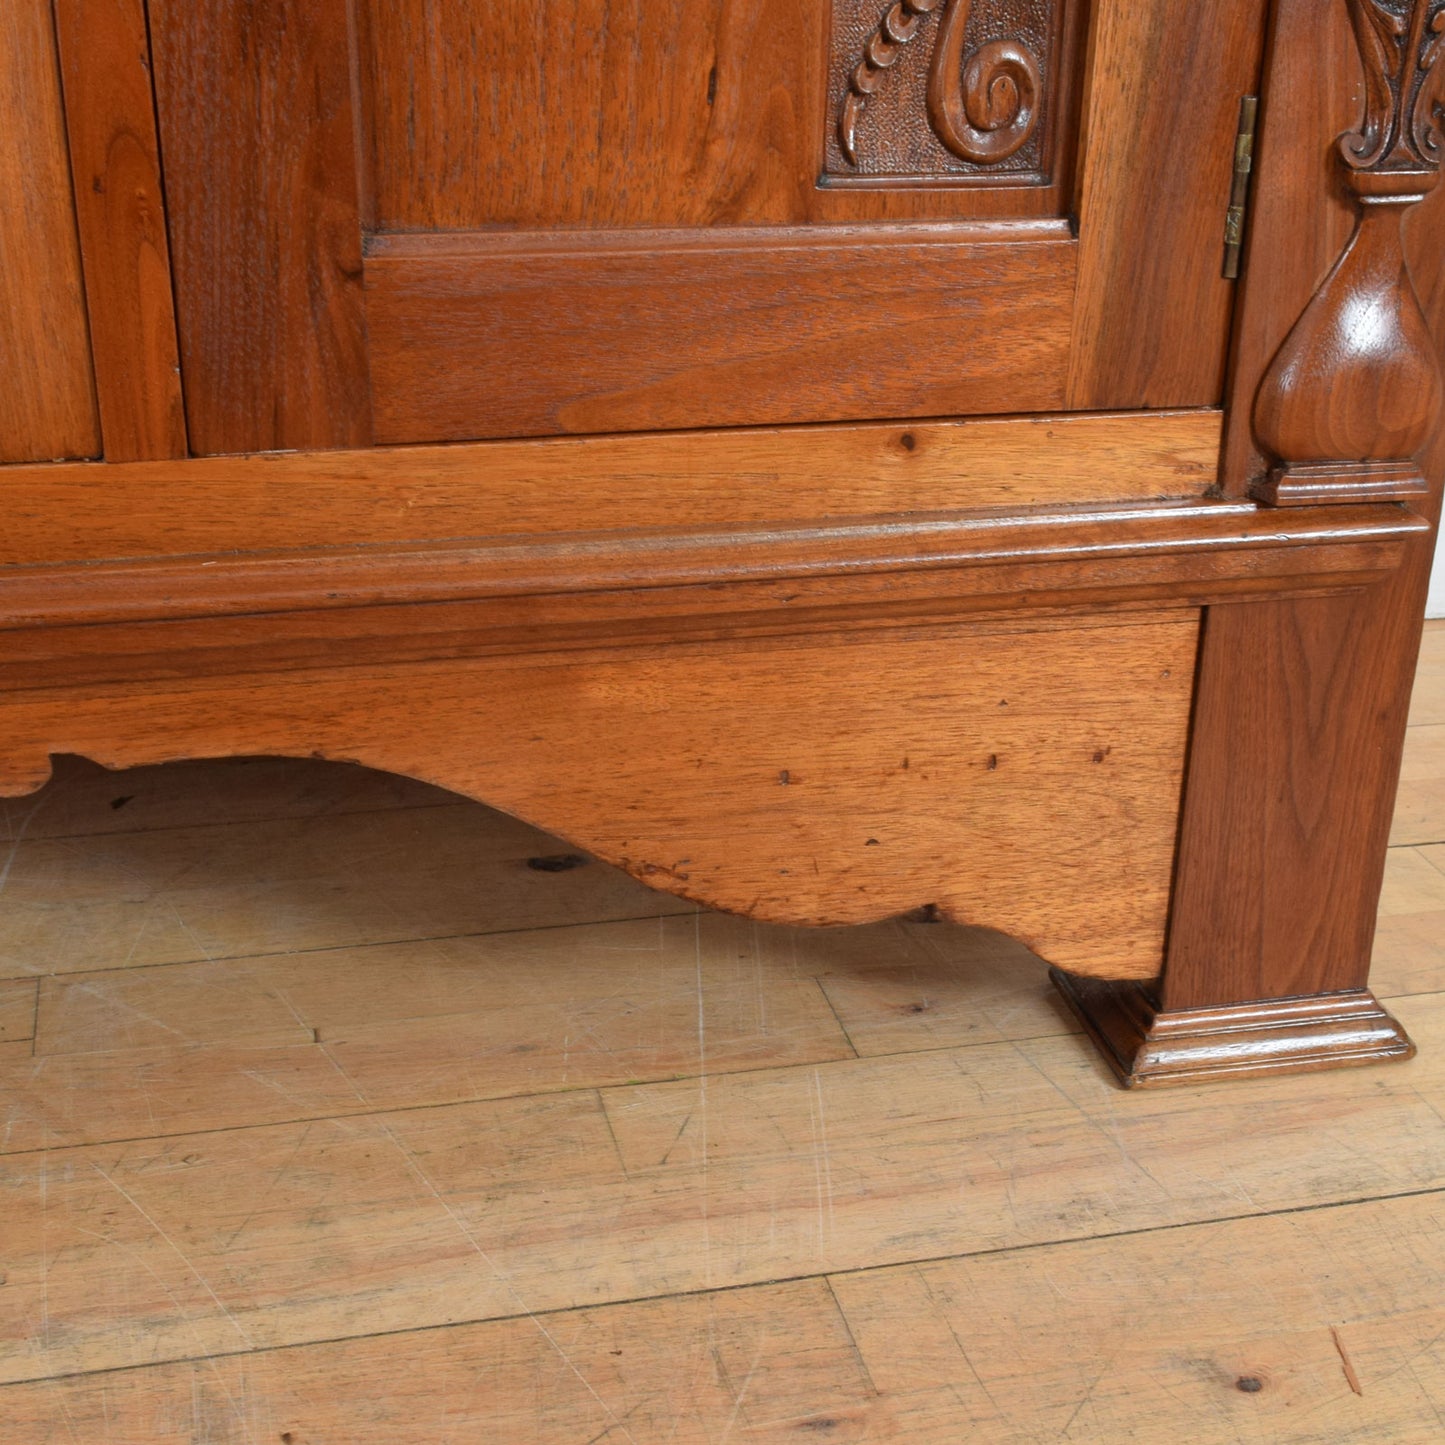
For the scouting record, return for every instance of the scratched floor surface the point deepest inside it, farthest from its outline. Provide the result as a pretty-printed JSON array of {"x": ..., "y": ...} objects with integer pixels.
[{"x": 334, "y": 1109}]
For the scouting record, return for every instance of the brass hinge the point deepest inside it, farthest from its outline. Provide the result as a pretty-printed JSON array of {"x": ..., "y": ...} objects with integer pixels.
[{"x": 1239, "y": 187}]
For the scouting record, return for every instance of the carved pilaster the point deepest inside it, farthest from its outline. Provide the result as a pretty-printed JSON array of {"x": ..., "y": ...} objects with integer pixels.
[{"x": 1353, "y": 395}]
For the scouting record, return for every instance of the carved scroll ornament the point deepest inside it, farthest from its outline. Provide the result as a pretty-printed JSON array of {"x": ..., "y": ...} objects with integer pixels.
[
  {"x": 983, "y": 106},
  {"x": 1353, "y": 395}
]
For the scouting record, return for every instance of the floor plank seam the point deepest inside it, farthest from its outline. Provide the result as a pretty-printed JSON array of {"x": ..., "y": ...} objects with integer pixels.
[
  {"x": 1384, "y": 994},
  {"x": 847, "y": 1325},
  {"x": 546, "y": 1093},
  {"x": 325, "y": 814},
  {"x": 1032, "y": 1226},
  {"x": 612, "y": 1135},
  {"x": 826, "y": 1277},
  {"x": 837, "y": 1017},
  {"x": 344, "y": 947}
]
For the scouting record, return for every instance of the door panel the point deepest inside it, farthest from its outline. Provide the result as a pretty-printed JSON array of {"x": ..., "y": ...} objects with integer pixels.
[
  {"x": 477, "y": 336},
  {"x": 411, "y": 221},
  {"x": 612, "y": 113},
  {"x": 1152, "y": 315},
  {"x": 120, "y": 209},
  {"x": 47, "y": 393}
]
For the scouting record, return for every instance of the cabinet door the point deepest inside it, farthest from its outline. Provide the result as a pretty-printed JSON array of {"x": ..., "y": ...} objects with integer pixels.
[
  {"x": 424, "y": 220},
  {"x": 47, "y": 399}
]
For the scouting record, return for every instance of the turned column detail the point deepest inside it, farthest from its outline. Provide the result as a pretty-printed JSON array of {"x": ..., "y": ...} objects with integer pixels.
[{"x": 1353, "y": 395}]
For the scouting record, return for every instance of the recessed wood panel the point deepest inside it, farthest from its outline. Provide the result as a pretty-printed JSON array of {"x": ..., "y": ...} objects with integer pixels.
[
  {"x": 1161, "y": 106},
  {"x": 477, "y": 335},
  {"x": 599, "y": 113},
  {"x": 626, "y": 113},
  {"x": 47, "y": 394}
]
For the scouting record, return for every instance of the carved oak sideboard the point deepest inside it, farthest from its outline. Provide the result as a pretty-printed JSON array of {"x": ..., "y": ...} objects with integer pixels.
[{"x": 829, "y": 459}]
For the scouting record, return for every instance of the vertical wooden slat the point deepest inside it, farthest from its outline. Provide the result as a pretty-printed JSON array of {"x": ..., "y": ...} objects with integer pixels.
[
  {"x": 258, "y": 141},
  {"x": 47, "y": 397},
  {"x": 110, "y": 120},
  {"x": 1152, "y": 313}
]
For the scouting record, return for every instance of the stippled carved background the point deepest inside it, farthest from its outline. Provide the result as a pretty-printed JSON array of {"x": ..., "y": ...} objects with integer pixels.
[{"x": 944, "y": 90}]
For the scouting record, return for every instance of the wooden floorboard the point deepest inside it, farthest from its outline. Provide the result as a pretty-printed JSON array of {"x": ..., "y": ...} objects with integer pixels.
[
  {"x": 1420, "y": 805},
  {"x": 327, "y": 1118},
  {"x": 1210, "y": 1333},
  {"x": 1409, "y": 954},
  {"x": 1427, "y": 703},
  {"x": 18, "y": 997},
  {"x": 280, "y": 885}
]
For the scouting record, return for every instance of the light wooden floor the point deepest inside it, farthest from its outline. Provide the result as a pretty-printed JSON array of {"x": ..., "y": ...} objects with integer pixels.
[{"x": 328, "y": 1118}]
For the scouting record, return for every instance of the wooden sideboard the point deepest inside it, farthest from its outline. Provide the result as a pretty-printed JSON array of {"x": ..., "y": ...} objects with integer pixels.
[{"x": 831, "y": 460}]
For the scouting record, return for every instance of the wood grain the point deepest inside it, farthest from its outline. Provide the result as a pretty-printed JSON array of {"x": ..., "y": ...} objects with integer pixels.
[
  {"x": 237, "y": 1042},
  {"x": 1283, "y": 838},
  {"x": 1108, "y": 555},
  {"x": 714, "y": 118},
  {"x": 285, "y": 501},
  {"x": 120, "y": 207},
  {"x": 1303, "y": 217},
  {"x": 1427, "y": 701},
  {"x": 1013, "y": 1347},
  {"x": 471, "y": 979},
  {"x": 1028, "y": 596},
  {"x": 82, "y": 799},
  {"x": 1152, "y": 311},
  {"x": 480, "y": 335},
  {"x": 1409, "y": 946},
  {"x": 1420, "y": 803},
  {"x": 1028, "y": 1345},
  {"x": 764, "y": 1364},
  {"x": 505, "y": 1015},
  {"x": 266, "y": 237},
  {"x": 930, "y": 985},
  {"x": 620, "y": 129},
  {"x": 522, "y": 1206},
  {"x": 832, "y": 780},
  {"x": 47, "y": 401},
  {"x": 17, "y": 1009},
  {"x": 1346, "y": 409},
  {"x": 178, "y": 894},
  {"x": 1282, "y": 846},
  {"x": 1005, "y": 1340},
  {"x": 633, "y": 980},
  {"x": 1148, "y": 1045},
  {"x": 1288, "y": 907}
]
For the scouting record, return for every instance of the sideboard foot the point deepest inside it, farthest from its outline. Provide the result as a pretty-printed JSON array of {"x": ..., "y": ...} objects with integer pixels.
[{"x": 1146, "y": 1045}]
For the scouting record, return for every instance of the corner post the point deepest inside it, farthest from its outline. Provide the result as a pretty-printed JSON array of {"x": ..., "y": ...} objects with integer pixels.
[{"x": 1301, "y": 704}]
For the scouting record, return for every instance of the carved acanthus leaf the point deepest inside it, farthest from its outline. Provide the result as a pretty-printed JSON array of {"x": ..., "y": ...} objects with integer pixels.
[
  {"x": 983, "y": 106},
  {"x": 1352, "y": 396},
  {"x": 1400, "y": 44}
]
